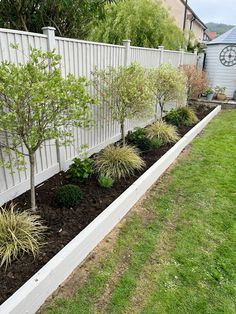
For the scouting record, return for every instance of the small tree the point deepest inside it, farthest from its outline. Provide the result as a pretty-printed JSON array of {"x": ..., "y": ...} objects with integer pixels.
[
  {"x": 168, "y": 84},
  {"x": 38, "y": 105},
  {"x": 196, "y": 82},
  {"x": 127, "y": 91}
]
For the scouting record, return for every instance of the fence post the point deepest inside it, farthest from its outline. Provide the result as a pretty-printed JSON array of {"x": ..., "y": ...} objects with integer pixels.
[
  {"x": 126, "y": 44},
  {"x": 181, "y": 62},
  {"x": 50, "y": 33},
  {"x": 196, "y": 57},
  {"x": 161, "y": 48},
  {"x": 51, "y": 44}
]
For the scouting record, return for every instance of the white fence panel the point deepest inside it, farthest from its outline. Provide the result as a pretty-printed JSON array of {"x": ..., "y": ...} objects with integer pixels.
[
  {"x": 149, "y": 58},
  {"x": 24, "y": 40},
  {"x": 172, "y": 57},
  {"x": 14, "y": 180},
  {"x": 190, "y": 58},
  {"x": 79, "y": 58}
]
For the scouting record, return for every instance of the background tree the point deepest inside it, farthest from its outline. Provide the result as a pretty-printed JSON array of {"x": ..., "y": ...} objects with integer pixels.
[
  {"x": 70, "y": 17},
  {"x": 168, "y": 84},
  {"x": 38, "y": 105},
  {"x": 127, "y": 92},
  {"x": 145, "y": 22}
]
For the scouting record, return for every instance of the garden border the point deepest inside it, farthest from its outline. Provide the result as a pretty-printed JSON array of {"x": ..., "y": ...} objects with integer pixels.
[{"x": 39, "y": 287}]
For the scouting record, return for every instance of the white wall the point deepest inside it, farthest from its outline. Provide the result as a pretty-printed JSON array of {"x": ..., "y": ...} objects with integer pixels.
[
  {"x": 80, "y": 58},
  {"x": 218, "y": 74}
]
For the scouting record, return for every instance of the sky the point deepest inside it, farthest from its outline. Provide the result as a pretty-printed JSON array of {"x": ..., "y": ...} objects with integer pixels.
[{"x": 218, "y": 11}]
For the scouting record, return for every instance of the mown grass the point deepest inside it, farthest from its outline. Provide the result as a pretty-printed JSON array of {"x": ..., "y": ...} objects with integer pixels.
[{"x": 182, "y": 258}]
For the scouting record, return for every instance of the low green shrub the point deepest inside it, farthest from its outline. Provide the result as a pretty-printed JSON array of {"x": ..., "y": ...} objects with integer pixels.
[
  {"x": 156, "y": 143},
  {"x": 81, "y": 169},
  {"x": 173, "y": 117},
  {"x": 139, "y": 138},
  {"x": 20, "y": 233},
  {"x": 163, "y": 132},
  {"x": 183, "y": 115},
  {"x": 68, "y": 196},
  {"x": 105, "y": 182},
  {"x": 118, "y": 162}
]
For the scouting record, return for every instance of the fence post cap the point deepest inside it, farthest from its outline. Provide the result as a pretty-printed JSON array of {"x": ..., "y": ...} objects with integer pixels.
[
  {"x": 161, "y": 47},
  {"x": 48, "y": 28},
  {"x": 126, "y": 40}
]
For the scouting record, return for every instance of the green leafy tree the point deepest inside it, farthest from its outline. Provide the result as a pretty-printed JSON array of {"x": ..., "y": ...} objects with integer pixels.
[
  {"x": 70, "y": 17},
  {"x": 168, "y": 84},
  {"x": 127, "y": 92},
  {"x": 37, "y": 105},
  {"x": 145, "y": 22}
]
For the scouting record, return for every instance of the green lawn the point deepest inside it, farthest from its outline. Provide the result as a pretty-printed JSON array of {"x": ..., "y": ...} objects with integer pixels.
[{"x": 177, "y": 252}]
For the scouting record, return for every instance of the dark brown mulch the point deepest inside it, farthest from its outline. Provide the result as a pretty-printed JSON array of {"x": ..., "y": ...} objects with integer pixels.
[{"x": 65, "y": 224}]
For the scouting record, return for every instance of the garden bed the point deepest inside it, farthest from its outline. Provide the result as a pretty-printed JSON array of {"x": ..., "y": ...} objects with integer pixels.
[
  {"x": 177, "y": 246},
  {"x": 65, "y": 224}
]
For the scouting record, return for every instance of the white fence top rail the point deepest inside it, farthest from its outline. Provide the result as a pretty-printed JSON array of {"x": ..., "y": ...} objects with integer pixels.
[
  {"x": 16, "y": 32},
  {"x": 144, "y": 48},
  {"x": 87, "y": 42},
  {"x": 173, "y": 51}
]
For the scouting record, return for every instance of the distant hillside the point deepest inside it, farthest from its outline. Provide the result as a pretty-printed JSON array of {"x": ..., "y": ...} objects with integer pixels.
[{"x": 218, "y": 28}]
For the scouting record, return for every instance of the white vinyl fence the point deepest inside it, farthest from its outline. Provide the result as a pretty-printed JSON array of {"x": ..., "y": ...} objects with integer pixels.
[{"x": 79, "y": 58}]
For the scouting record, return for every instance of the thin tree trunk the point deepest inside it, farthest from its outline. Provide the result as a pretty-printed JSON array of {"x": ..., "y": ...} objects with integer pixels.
[
  {"x": 156, "y": 111},
  {"x": 162, "y": 107},
  {"x": 122, "y": 130},
  {"x": 32, "y": 181}
]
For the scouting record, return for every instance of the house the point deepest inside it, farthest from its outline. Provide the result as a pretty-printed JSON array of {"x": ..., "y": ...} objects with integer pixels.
[{"x": 186, "y": 18}]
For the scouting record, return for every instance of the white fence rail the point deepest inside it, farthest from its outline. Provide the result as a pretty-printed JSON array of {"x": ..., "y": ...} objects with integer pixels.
[{"x": 79, "y": 58}]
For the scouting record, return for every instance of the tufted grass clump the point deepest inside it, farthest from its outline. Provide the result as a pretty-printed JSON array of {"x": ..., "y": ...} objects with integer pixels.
[
  {"x": 118, "y": 162},
  {"x": 187, "y": 115},
  {"x": 183, "y": 115},
  {"x": 162, "y": 131},
  {"x": 20, "y": 233},
  {"x": 68, "y": 196}
]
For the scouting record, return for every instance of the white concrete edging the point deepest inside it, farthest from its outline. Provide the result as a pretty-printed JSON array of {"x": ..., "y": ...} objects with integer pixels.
[{"x": 39, "y": 287}]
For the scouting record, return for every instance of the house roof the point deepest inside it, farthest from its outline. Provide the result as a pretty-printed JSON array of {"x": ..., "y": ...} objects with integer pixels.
[
  {"x": 227, "y": 38},
  {"x": 195, "y": 15},
  {"x": 212, "y": 35}
]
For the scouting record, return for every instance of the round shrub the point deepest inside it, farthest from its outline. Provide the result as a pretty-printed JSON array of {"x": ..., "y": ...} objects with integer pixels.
[
  {"x": 118, "y": 161},
  {"x": 20, "y": 233},
  {"x": 173, "y": 117},
  {"x": 162, "y": 131},
  {"x": 68, "y": 196},
  {"x": 105, "y": 182},
  {"x": 183, "y": 115},
  {"x": 139, "y": 138},
  {"x": 156, "y": 143}
]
